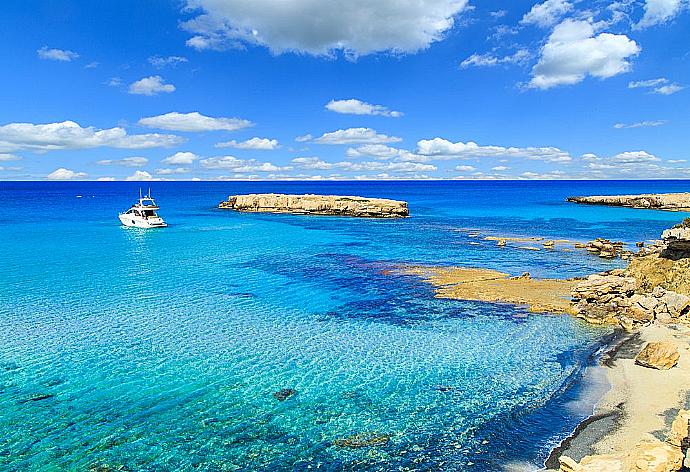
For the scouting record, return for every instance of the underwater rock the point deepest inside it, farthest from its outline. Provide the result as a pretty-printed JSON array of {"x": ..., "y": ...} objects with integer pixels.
[
  {"x": 39, "y": 397},
  {"x": 317, "y": 205},
  {"x": 285, "y": 393},
  {"x": 658, "y": 355},
  {"x": 362, "y": 440}
]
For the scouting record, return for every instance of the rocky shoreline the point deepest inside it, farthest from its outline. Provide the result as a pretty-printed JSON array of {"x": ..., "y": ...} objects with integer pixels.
[
  {"x": 651, "y": 201},
  {"x": 643, "y": 422},
  {"x": 334, "y": 205}
]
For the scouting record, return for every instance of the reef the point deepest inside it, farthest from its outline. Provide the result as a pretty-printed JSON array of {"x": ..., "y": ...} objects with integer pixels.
[{"x": 334, "y": 205}]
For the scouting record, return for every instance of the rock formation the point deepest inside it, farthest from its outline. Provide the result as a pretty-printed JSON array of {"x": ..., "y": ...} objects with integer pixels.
[
  {"x": 649, "y": 455},
  {"x": 658, "y": 355},
  {"x": 317, "y": 205},
  {"x": 659, "y": 201}
]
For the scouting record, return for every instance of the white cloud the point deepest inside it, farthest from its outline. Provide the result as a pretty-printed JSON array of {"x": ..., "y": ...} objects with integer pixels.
[
  {"x": 661, "y": 86},
  {"x": 661, "y": 11},
  {"x": 442, "y": 148},
  {"x": 500, "y": 168},
  {"x": 358, "y": 107},
  {"x": 258, "y": 144},
  {"x": 92, "y": 65},
  {"x": 5, "y": 157},
  {"x": 668, "y": 89},
  {"x": 127, "y": 162},
  {"x": 114, "y": 82},
  {"x": 240, "y": 165},
  {"x": 194, "y": 121},
  {"x": 355, "y": 136},
  {"x": 379, "y": 151},
  {"x": 465, "y": 168},
  {"x": 69, "y": 135},
  {"x": 314, "y": 163},
  {"x": 65, "y": 174},
  {"x": 173, "y": 171},
  {"x": 547, "y": 13},
  {"x": 152, "y": 85},
  {"x": 304, "y": 138},
  {"x": 633, "y": 157},
  {"x": 106, "y": 179},
  {"x": 640, "y": 124},
  {"x": 490, "y": 60},
  {"x": 323, "y": 27},
  {"x": 62, "y": 55},
  {"x": 574, "y": 50},
  {"x": 180, "y": 158},
  {"x": 169, "y": 61},
  {"x": 140, "y": 175}
]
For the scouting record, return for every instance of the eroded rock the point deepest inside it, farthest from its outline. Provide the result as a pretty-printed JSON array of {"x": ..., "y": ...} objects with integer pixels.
[
  {"x": 646, "y": 456},
  {"x": 658, "y": 355}
]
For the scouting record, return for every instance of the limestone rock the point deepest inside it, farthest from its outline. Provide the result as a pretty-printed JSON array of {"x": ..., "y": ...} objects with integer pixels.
[
  {"x": 680, "y": 430},
  {"x": 659, "y": 201},
  {"x": 646, "y": 456},
  {"x": 317, "y": 205},
  {"x": 658, "y": 355}
]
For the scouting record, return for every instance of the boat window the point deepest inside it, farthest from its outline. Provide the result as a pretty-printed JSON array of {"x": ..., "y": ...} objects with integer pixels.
[{"x": 149, "y": 213}]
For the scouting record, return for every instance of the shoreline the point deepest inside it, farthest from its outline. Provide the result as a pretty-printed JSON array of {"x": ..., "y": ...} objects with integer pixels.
[{"x": 640, "y": 403}]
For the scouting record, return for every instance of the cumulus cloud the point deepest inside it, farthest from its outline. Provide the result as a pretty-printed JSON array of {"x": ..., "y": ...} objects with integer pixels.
[
  {"x": 152, "y": 85},
  {"x": 358, "y": 107},
  {"x": 661, "y": 86},
  {"x": 70, "y": 135},
  {"x": 5, "y": 157},
  {"x": 127, "y": 162},
  {"x": 240, "y": 165},
  {"x": 355, "y": 27},
  {"x": 442, "y": 148},
  {"x": 661, "y": 11},
  {"x": 633, "y": 157},
  {"x": 65, "y": 174},
  {"x": 465, "y": 168},
  {"x": 257, "y": 144},
  {"x": 62, "y": 55},
  {"x": 575, "y": 50},
  {"x": 180, "y": 158},
  {"x": 314, "y": 163},
  {"x": 354, "y": 136},
  {"x": 167, "y": 61},
  {"x": 640, "y": 124},
  {"x": 547, "y": 13},
  {"x": 194, "y": 121},
  {"x": 106, "y": 179},
  {"x": 489, "y": 60},
  {"x": 140, "y": 175},
  {"x": 173, "y": 171}
]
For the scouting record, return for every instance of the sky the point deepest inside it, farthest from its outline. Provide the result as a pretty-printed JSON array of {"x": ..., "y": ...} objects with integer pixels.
[{"x": 344, "y": 89}]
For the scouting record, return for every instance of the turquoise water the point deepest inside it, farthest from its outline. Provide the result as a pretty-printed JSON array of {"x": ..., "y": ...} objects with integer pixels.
[{"x": 161, "y": 350}]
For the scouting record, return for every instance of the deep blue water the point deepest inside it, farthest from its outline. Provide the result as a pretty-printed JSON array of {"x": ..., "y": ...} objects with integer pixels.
[{"x": 161, "y": 349}]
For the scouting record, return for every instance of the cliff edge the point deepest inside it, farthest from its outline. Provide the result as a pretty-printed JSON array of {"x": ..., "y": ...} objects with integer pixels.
[{"x": 652, "y": 201}]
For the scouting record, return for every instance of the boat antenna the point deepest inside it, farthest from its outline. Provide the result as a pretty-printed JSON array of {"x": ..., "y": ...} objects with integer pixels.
[
  {"x": 149, "y": 192},
  {"x": 139, "y": 193}
]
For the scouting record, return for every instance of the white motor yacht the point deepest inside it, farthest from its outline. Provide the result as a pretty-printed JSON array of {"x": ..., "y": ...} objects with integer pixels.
[{"x": 143, "y": 214}]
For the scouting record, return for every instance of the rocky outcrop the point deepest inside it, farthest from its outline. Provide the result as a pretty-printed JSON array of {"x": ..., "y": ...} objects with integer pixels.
[
  {"x": 658, "y": 355},
  {"x": 677, "y": 239},
  {"x": 607, "y": 249},
  {"x": 658, "y": 201},
  {"x": 646, "y": 456},
  {"x": 680, "y": 431},
  {"x": 317, "y": 205}
]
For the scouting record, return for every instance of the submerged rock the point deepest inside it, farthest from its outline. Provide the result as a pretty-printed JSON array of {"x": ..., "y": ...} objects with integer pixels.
[
  {"x": 317, "y": 205},
  {"x": 285, "y": 393},
  {"x": 658, "y": 355},
  {"x": 39, "y": 397},
  {"x": 362, "y": 440}
]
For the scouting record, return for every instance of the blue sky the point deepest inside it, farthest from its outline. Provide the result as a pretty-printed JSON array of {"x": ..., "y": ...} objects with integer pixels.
[{"x": 333, "y": 89}]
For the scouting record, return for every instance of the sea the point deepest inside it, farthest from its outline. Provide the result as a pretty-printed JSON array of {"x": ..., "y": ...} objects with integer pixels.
[{"x": 124, "y": 349}]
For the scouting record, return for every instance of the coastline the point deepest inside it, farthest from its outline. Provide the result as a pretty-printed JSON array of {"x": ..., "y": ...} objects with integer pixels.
[{"x": 631, "y": 411}]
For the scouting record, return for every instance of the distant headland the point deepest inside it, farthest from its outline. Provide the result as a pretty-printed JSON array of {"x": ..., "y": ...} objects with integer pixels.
[{"x": 651, "y": 201}]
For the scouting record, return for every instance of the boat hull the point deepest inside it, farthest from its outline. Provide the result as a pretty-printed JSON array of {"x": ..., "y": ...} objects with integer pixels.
[{"x": 138, "y": 222}]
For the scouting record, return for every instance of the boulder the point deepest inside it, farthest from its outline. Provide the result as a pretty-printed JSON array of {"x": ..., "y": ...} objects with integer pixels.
[
  {"x": 646, "y": 456},
  {"x": 658, "y": 355},
  {"x": 680, "y": 430}
]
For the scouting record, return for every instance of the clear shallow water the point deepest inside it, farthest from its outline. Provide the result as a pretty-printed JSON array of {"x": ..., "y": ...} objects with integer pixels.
[{"x": 160, "y": 350}]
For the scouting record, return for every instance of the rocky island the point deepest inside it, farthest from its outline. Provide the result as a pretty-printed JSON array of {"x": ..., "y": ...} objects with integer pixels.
[
  {"x": 650, "y": 201},
  {"x": 335, "y": 205}
]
